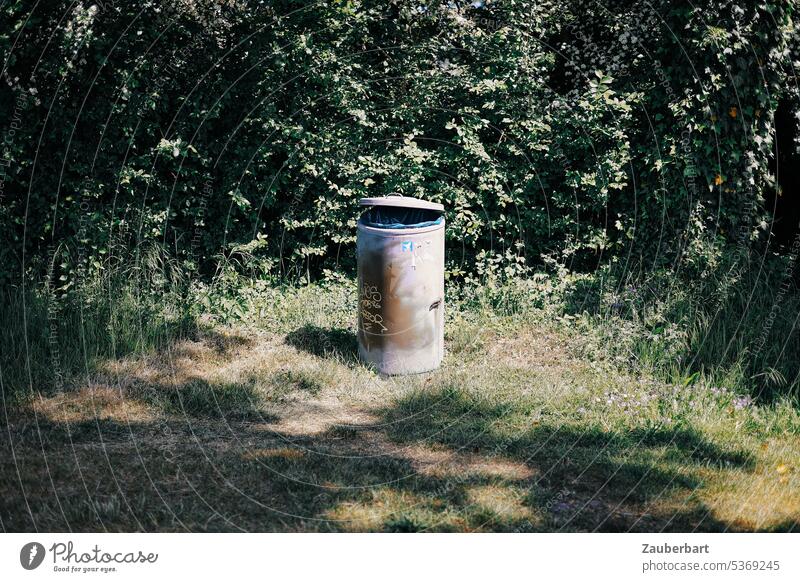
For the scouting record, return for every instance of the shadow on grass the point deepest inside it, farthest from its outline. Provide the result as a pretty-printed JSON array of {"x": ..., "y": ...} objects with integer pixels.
[
  {"x": 435, "y": 462},
  {"x": 334, "y": 342},
  {"x": 199, "y": 398},
  {"x": 45, "y": 343},
  {"x": 587, "y": 478}
]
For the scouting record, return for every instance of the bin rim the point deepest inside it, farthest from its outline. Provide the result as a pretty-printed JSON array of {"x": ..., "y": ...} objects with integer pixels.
[
  {"x": 396, "y": 232},
  {"x": 398, "y": 201}
]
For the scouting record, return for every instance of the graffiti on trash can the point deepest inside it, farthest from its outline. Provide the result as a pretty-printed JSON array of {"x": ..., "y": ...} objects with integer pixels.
[{"x": 371, "y": 319}]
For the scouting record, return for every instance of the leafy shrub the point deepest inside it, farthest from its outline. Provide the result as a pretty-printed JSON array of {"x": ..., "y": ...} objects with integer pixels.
[{"x": 564, "y": 132}]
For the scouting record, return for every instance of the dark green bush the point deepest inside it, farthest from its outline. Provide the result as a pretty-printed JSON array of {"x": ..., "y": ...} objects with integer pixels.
[{"x": 572, "y": 132}]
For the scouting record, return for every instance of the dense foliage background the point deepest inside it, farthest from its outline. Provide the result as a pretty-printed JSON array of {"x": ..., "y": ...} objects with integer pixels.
[
  {"x": 562, "y": 130},
  {"x": 630, "y": 141}
]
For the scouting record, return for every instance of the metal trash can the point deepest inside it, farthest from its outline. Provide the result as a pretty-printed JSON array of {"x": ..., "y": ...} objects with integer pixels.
[{"x": 400, "y": 252}]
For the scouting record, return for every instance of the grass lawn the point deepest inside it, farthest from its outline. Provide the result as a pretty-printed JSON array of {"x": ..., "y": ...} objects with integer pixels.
[{"x": 273, "y": 425}]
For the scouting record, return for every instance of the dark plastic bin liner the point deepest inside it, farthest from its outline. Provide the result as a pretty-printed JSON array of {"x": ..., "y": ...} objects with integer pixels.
[{"x": 392, "y": 217}]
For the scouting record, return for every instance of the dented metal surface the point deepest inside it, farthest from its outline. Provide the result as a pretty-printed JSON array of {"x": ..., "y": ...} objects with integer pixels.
[{"x": 401, "y": 298}]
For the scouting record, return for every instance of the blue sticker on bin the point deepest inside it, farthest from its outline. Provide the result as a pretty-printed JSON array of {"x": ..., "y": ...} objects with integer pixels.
[{"x": 407, "y": 245}]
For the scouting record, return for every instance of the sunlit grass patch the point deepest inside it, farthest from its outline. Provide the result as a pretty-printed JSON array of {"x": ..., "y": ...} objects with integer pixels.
[
  {"x": 95, "y": 401},
  {"x": 755, "y": 501},
  {"x": 386, "y": 510},
  {"x": 390, "y": 510},
  {"x": 500, "y": 504}
]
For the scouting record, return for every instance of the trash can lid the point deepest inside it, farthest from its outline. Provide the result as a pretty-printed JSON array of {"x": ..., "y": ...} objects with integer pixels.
[{"x": 398, "y": 201}]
